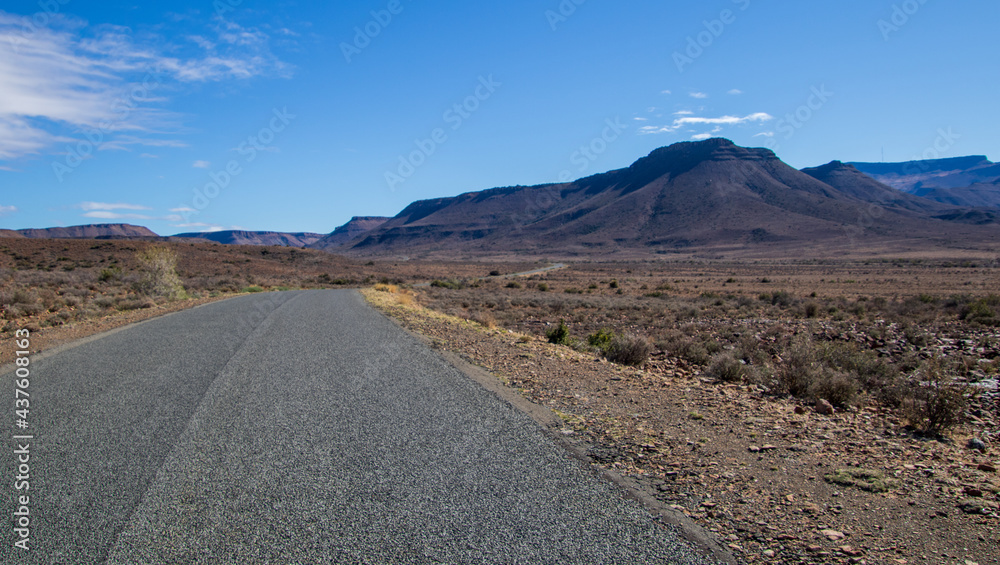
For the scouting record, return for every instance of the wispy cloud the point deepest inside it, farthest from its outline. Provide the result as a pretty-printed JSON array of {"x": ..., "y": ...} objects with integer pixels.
[
  {"x": 91, "y": 206},
  {"x": 201, "y": 164},
  {"x": 666, "y": 92},
  {"x": 690, "y": 120},
  {"x": 735, "y": 92},
  {"x": 698, "y": 95},
  {"x": 107, "y": 215},
  {"x": 201, "y": 226},
  {"x": 7, "y": 210},
  {"x": 70, "y": 77},
  {"x": 701, "y": 136}
]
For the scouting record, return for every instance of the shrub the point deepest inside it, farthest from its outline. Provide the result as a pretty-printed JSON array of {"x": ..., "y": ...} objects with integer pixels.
[
  {"x": 613, "y": 284},
  {"x": 559, "y": 334},
  {"x": 935, "y": 403},
  {"x": 811, "y": 309},
  {"x": 629, "y": 350},
  {"x": 453, "y": 285},
  {"x": 157, "y": 267},
  {"x": 727, "y": 368},
  {"x": 513, "y": 284},
  {"x": 798, "y": 371},
  {"x": 543, "y": 287},
  {"x": 112, "y": 273},
  {"x": 602, "y": 339},
  {"x": 835, "y": 387}
]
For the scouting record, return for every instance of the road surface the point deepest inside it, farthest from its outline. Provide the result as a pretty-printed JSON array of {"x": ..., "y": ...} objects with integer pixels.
[{"x": 296, "y": 427}]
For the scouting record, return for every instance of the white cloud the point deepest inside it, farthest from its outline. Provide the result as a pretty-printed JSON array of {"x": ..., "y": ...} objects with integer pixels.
[
  {"x": 183, "y": 209},
  {"x": 106, "y": 215},
  {"x": 90, "y": 206},
  {"x": 684, "y": 113},
  {"x": 641, "y": 119},
  {"x": 6, "y": 210},
  {"x": 666, "y": 92},
  {"x": 764, "y": 134},
  {"x": 701, "y": 136},
  {"x": 201, "y": 164},
  {"x": 202, "y": 227},
  {"x": 735, "y": 92},
  {"x": 699, "y": 95},
  {"x": 687, "y": 120},
  {"x": 70, "y": 77},
  {"x": 149, "y": 156}
]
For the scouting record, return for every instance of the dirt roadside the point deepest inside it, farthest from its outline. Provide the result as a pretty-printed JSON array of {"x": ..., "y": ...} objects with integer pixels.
[{"x": 774, "y": 481}]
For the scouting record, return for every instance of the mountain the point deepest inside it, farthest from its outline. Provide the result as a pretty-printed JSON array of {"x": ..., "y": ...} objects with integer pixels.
[
  {"x": 710, "y": 194},
  {"x": 10, "y": 233},
  {"x": 855, "y": 184},
  {"x": 93, "y": 231},
  {"x": 357, "y": 227},
  {"x": 980, "y": 194},
  {"x": 960, "y": 181},
  {"x": 240, "y": 237}
]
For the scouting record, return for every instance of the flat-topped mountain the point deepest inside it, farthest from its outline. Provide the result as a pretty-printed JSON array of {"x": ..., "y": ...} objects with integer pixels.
[
  {"x": 242, "y": 237},
  {"x": 960, "y": 181},
  {"x": 708, "y": 194},
  {"x": 92, "y": 231}
]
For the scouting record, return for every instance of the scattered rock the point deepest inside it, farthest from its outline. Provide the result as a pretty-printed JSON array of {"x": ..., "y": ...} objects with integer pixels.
[
  {"x": 973, "y": 492},
  {"x": 987, "y": 468},
  {"x": 769, "y": 553},
  {"x": 754, "y": 449},
  {"x": 833, "y": 535},
  {"x": 824, "y": 407},
  {"x": 800, "y": 410},
  {"x": 976, "y": 444},
  {"x": 811, "y": 508}
]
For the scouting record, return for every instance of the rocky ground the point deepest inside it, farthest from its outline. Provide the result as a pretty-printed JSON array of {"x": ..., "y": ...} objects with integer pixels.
[{"x": 775, "y": 480}]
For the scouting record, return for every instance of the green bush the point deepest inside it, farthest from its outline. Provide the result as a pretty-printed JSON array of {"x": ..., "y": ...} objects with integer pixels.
[
  {"x": 543, "y": 287},
  {"x": 602, "y": 339},
  {"x": 513, "y": 284},
  {"x": 559, "y": 334}
]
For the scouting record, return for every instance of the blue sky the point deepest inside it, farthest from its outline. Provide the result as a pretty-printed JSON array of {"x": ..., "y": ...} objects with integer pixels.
[{"x": 295, "y": 116}]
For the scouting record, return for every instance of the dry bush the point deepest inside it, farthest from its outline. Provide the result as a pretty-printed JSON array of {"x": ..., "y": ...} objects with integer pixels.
[
  {"x": 935, "y": 402},
  {"x": 157, "y": 268},
  {"x": 839, "y": 389},
  {"x": 629, "y": 349},
  {"x": 726, "y": 367},
  {"x": 485, "y": 319}
]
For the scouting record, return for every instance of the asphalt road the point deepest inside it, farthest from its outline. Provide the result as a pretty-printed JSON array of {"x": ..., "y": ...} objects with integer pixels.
[{"x": 297, "y": 427}]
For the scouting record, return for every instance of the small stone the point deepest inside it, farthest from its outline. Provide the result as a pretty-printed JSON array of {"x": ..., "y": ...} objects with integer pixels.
[
  {"x": 824, "y": 407},
  {"x": 973, "y": 492},
  {"x": 976, "y": 444},
  {"x": 986, "y": 467},
  {"x": 769, "y": 553},
  {"x": 800, "y": 410},
  {"x": 753, "y": 449},
  {"x": 811, "y": 508},
  {"x": 768, "y": 447},
  {"x": 833, "y": 535},
  {"x": 850, "y": 551}
]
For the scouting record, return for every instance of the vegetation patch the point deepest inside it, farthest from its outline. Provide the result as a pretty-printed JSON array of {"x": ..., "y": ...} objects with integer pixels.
[{"x": 864, "y": 479}]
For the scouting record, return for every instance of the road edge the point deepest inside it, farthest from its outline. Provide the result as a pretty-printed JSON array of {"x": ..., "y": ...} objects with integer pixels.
[{"x": 551, "y": 425}]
